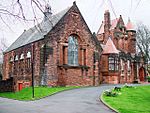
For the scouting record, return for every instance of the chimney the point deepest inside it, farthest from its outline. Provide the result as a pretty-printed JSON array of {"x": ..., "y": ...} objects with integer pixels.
[
  {"x": 107, "y": 21},
  {"x": 47, "y": 12}
]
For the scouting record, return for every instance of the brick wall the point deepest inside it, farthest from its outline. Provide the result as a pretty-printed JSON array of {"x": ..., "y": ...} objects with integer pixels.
[{"x": 54, "y": 70}]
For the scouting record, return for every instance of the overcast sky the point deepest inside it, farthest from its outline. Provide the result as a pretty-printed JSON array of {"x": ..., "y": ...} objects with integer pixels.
[{"x": 92, "y": 11}]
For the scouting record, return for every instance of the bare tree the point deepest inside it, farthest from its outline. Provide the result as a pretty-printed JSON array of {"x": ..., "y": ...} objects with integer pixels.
[
  {"x": 21, "y": 10},
  {"x": 143, "y": 40},
  {"x": 3, "y": 47}
]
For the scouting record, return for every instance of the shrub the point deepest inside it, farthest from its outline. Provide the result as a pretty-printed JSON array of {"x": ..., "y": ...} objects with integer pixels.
[
  {"x": 148, "y": 78},
  {"x": 117, "y": 88},
  {"x": 128, "y": 86},
  {"x": 110, "y": 93}
]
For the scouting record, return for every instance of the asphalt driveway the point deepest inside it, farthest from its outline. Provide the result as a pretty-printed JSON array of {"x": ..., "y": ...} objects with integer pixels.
[{"x": 84, "y": 100}]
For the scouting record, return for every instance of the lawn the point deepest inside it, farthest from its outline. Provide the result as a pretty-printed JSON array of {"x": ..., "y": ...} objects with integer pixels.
[
  {"x": 40, "y": 92},
  {"x": 131, "y": 100}
]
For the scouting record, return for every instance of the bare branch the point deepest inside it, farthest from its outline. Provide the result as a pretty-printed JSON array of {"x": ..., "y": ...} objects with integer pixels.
[
  {"x": 22, "y": 12},
  {"x": 143, "y": 40}
]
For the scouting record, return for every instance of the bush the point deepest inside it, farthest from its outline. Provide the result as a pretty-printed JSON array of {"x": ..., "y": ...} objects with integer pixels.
[
  {"x": 110, "y": 93},
  {"x": 128, "y": 86},
  {"x": 148, "y": 78}
]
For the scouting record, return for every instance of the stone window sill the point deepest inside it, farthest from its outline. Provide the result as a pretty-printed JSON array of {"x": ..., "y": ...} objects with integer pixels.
[{"x": 71, "y": 67}]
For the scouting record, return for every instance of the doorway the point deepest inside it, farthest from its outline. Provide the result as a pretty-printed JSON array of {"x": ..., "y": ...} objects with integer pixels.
[{"x": 142, "y": 74}]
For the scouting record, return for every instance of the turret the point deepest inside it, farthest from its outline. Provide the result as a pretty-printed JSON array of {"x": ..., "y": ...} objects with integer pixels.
[{"x": 131, "y": 37}]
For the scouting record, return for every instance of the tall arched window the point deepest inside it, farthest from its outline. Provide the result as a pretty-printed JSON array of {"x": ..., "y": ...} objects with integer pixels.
[{"x": 72, "y": 51}]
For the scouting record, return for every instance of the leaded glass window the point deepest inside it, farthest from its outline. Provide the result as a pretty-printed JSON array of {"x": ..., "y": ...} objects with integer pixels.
[
  {"x": 128, "y": 66},
  {"x": 72, "y": 51},
  {"x": 113, "y": 63}
]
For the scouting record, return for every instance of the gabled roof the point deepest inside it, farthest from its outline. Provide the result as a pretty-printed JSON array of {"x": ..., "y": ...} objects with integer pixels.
[
  {"x": 110, "y": 48},
  {"x": 101, "y": 29},
  {"x": 37, "y": 32},
  {"x": 114, "y": 23},
  {"x": 130, "y": 26}
]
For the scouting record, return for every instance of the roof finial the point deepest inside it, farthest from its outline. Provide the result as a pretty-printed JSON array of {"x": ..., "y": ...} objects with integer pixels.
[
  {"x": 74, "y": 3},
  {"x": 48, "y": 11},
  {"x": 130, "y": 26},
  {"x": 129, "y": 19}
]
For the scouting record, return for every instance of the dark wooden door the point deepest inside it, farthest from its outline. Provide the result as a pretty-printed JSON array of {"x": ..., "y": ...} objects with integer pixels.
[{"x": 141, "y": 74}]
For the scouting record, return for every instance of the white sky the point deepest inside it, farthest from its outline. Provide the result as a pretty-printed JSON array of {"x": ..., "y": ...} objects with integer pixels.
[{"x": 92, "y": 11}]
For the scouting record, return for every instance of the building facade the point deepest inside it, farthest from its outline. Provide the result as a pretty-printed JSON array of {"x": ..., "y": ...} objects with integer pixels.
[
  {"x": 61, "y": 50},
  {"x": 119, "y": 61}
]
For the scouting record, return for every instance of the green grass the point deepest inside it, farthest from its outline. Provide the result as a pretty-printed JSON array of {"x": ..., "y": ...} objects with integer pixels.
[
  {"x": 40, "y": 92},
  {"x": 131, "y": 100}
]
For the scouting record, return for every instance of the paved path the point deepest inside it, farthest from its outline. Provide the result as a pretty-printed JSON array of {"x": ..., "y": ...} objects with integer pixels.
[{"x": 84, "y": 100}]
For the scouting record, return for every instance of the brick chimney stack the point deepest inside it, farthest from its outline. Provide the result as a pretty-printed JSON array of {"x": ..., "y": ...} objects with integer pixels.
[
  {"x": 107, "y": 25},
  {"x": 107, "y": 21}
]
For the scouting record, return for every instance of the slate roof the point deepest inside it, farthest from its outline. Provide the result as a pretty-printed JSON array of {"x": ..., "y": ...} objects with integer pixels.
[
  {"x": 37, "y": 32},
  {"x": 110, "y": 48}
]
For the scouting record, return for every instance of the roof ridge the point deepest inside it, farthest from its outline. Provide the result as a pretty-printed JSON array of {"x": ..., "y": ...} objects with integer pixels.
[{"x": 34, "y": 34}]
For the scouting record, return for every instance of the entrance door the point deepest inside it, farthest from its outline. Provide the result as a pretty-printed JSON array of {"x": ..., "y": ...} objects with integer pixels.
[
  {"x": 20, "y": 86},
  {"x": 142, "y": 74}
]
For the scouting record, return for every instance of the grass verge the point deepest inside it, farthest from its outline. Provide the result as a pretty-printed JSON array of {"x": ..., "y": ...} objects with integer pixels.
[
  {"x": 130, "y": 100},
  {"x": 40, "y": 92}
]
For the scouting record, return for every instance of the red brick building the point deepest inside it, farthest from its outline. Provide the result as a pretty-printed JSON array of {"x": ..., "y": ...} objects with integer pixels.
[
  {"x": 118, "y": 62},
  {"x": 62, "y": 49}
]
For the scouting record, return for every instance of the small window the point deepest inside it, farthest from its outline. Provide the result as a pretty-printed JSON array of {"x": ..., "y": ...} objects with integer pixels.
[
  {"x": 28, "y": 54},
  {"x": 16, "y": 58},
  {"x": 73, "y": 51},
  {"x": 122, "y": 66},
  {"x": 129, "y": 67},
  {"x": 11, "y": 59},
  {"x": 28, "y": 59},
  {"x": 22, "y": 56},
  {"x": 113, "y": 63},
  {"x": 28, "y": 63}
]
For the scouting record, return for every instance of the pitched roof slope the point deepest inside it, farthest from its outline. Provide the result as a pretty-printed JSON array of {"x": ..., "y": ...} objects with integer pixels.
[
  {"x": 101, "y": 29},
  {"x": 113, "y": 25},
  {"x": 110, "y": 48},
  {"x": 37, "y": 32},
  {"x": 130, "y": 25}
]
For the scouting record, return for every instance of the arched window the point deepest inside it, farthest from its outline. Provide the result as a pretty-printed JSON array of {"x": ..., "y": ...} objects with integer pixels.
[
  {"x": 28, "y": 54},
  {"x": 16, "y": 64},
  {"x": 22, "y": 56},
  {"x": 129, "y": 67},
  {"x": 16, "y": 58},
  {"x": 28, "y": 59},
  {"x": 72, "y": 51}
]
